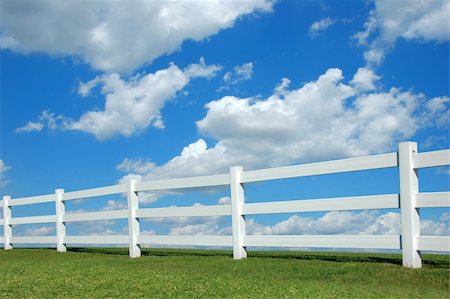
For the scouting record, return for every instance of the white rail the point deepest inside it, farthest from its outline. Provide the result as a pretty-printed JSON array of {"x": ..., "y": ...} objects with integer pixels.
[
  {"x": 408, "y": 202},
  {"x": 109, "y": 190},
  {"x": 185, "y": 183},
  {"x": 33, "y": 219},
  {"x": 433, "y": 200},
  {"x": 389, "y": 201},
  {"x": 194, "y": 211},
  {"x": 32, "y": 200},
  {"x": 329, "y": 167},
  {"x": 433, "y": 243},
  {"x": 432, "y": 159}
]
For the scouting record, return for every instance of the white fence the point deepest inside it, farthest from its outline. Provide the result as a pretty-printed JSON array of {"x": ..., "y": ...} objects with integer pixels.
[{"x": 409, "y": 201}]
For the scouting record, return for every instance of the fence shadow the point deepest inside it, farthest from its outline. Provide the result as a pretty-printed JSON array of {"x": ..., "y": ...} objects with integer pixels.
[{"x": 429, "y": 260}]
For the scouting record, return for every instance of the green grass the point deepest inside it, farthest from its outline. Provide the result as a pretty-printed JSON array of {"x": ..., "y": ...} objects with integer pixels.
[{"x": 176, "y": 273}]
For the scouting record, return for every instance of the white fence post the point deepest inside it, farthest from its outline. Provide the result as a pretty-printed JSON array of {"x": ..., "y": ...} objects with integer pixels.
[
  {"x": 7, "y": 228},
  {"x": 410, "y": 217},
  {"x": 238, "y": 219},
  {"x": 133, "y": 222},
  {"x": 60, "y": 225}
]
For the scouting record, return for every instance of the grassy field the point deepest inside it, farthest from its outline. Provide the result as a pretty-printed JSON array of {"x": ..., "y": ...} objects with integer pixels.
[{"x": 176, "y": 273}]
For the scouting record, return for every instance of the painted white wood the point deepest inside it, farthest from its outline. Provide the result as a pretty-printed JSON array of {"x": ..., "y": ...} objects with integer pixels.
[
  {"x": 110, "y": 239},
  {"x": 92, "y": 216},
  {"x": 433, "y": 200},
  {"x": 32, "y": 200},
  {"x": 433, "y": 243},
  {"x": 409, "y": 214},
  {"x": 7, "y": 227},
  {"x": 432, "y": 159},
  {"x": 195, "y": 211},
  {"x": 186, "y": 240},
  {"x": 237, "y": 216},
  {"x": 33, "y": 219},
  {"x": 185, "y": 183},
  {"x": 34, "y": 240},
  {"x": 133, "y": 220},
  {"x": 409, "y": 201},
  {"x": 388, "y": 201},
  {"x": 60, "y": 208},
  {"x": 320, "y": 241},
  {"x": 101, "y": 191},
  {"x": 336, "y": 166}
]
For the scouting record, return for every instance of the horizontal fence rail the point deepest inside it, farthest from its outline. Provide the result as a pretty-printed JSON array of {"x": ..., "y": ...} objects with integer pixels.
[
  {"x": 409, "y": 201},
  {"x": 109, "y": 190},
  {"x": 390, "y": 201}
]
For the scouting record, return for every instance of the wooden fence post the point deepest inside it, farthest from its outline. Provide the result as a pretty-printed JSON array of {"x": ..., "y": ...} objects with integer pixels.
[
  {"x": 7, "y": 227},
  {"x": 60, "y": 224},
  {"x": 133, "y": 221},
  {"x": 410, "y": 217},
  {"x": 237, "y": 217}
]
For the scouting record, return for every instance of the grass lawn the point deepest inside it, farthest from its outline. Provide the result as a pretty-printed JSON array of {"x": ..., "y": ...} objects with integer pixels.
[{"x": 178, "y": 273}]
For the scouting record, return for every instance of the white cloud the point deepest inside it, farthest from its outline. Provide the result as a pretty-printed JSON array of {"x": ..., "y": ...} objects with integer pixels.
[
  {"x": 117, "y": 36},
  {"x": 47, "y": 120},
  {"x": 3, "y": 168},
  {"x": 136, "y": 166},
  {"x": 364, "y": 80},
  {"x": 347, "y": 223},
  {"x": 226, "y": 200},
  {"x": 131, "y": 105},
  {"x": 115, "y": 205},
  {"x": 422, "y": 20},
  {"x": 331, "y": 223},
  {"x": 323, "y": 119},
  {"x": 239, "y": 73},
  {"x": 37, "y": 231},
  {"x": 202, "y": 70},
  {"x": 30, "y": 127},
  {"x": 320, "y": 26}
]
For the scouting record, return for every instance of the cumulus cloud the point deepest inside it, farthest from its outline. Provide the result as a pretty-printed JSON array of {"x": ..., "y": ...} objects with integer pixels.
[
  {"x": 323, "y": 119},
  {"x": 131, "y": 105},
  {"x": 3, "y": 168},
  {"x": 330, "y": 223},
  {"x": 319, "y": 26},
  {"x": 364, "y": 80},
  {"x": 421, "y": 20},
  {"x": 38, "y": 231},
  {"x": 117, "y": 36},
  {"x": 347, "y": 223}
]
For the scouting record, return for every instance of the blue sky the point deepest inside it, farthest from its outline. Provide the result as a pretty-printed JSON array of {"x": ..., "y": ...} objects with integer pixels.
[{"x": 97, "y": 93}]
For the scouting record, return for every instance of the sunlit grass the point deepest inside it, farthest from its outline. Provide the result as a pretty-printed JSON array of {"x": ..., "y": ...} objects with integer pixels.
[{"x": 178, "y": 273}]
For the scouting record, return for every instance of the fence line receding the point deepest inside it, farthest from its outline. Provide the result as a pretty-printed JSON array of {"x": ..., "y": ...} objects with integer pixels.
[{"x": 408, "y": 160}]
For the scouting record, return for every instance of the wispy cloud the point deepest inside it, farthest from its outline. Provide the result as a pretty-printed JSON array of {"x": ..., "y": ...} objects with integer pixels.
[
  {"x": 319, "y": 26},
  {"x": 3, "y": 168}
]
